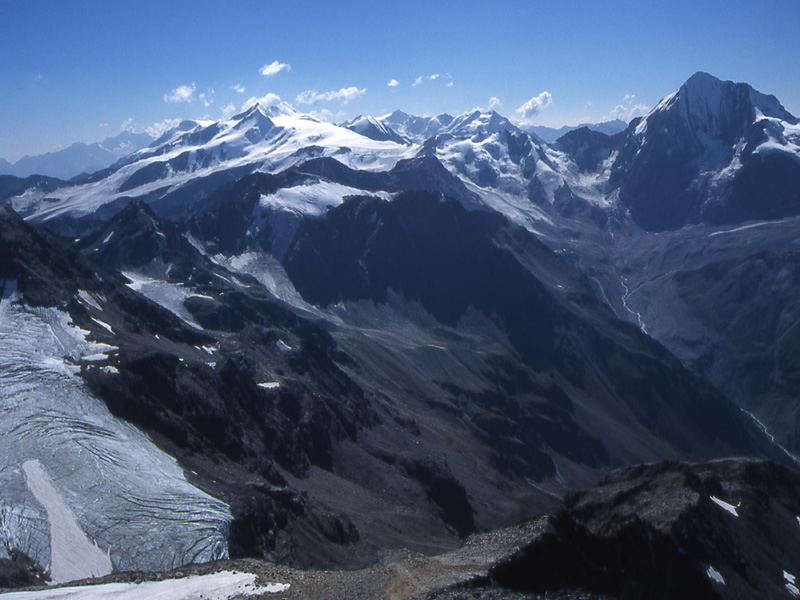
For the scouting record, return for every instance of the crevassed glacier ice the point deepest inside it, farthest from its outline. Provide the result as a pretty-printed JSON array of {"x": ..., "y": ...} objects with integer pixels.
[{"x": 104, "y": 481}]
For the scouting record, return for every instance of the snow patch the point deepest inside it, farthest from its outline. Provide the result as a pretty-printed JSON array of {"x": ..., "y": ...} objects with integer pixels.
[
  {"x": 105, "y": 326},
  {"x": 87, "y": 298},
  {"x": 312, "y": 199},
  {"x": 714, "y": 575},
  {"x": 270, "y": 385},
  {"x": 790, "y": 582},
  {"x": 725, "y": 506},
  {"x": 168, "y": 295},
  {"x": 742, "y": 228},
  {"x": 283, "y": 346},
  {"x": 223, "y": 585},
  {"x": 72, "y": 555}
]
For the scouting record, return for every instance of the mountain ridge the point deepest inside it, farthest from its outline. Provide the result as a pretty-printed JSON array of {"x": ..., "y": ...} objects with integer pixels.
[{"x": 77, "y": 159}]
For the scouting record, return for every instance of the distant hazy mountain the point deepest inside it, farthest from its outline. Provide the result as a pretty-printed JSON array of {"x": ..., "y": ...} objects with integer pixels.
[
  {"x": 77, "y": 159},
  {"x": 551, "y": 134}
]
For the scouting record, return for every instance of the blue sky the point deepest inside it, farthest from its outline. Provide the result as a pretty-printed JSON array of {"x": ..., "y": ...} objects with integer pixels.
[{"x": 80, "y": 70}]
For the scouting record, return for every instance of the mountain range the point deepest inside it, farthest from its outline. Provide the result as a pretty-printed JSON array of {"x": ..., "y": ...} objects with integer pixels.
[
  {"x": 333, "y": 344},
  {"x": 78, "y": 159},
  {"x": 551, "y": 134}
]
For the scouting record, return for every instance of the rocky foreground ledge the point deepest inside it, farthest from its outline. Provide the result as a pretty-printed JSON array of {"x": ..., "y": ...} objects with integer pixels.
[{"x": 721, "y": 529}]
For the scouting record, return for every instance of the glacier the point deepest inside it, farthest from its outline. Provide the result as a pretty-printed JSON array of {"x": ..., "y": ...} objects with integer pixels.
[{"x": 75, "y": 480}]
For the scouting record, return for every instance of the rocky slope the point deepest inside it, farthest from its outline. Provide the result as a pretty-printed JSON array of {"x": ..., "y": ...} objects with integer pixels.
[{"x": 717, "y": 530}]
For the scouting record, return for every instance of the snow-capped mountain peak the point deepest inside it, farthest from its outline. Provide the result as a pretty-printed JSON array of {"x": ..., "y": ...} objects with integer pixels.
[
  {"x": 374, "y": 129},
  {"x": 416, "y": 128},
  {"x": 479, "y": 122},
  {"x": 694, "y": 156},
  {"x": 722, "y": 110}
]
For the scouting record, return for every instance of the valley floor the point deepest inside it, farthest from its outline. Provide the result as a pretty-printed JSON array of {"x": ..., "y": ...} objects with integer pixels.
[{"x": 407, "y": 578}]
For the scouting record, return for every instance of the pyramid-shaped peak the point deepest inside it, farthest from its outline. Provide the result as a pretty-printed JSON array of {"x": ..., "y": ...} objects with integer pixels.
[
  {"x": 706, "y": 95},
  {"x": 253, "y": 110},
  {"x": 702, "y": 79},
  {"x": 397, "y": 115}
]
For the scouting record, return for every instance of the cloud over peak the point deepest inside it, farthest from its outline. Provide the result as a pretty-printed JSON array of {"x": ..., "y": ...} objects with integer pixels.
[
  {"x": 534, "y": 106},
  {"x": 267, "y": 100},
  {"x": 344, "y": 95},
  {"x": 156, "y": 130},
  {"x": 629, "y": 109}
]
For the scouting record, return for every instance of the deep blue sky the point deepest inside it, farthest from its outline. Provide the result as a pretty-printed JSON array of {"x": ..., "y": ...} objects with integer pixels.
[{"x": 77, "y": 70}]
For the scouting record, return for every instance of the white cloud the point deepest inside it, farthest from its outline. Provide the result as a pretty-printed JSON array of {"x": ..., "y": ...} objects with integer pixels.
[
  {"x": 534, "y": 106},
  {"x": 274, "y": 68},
  {"x": 238, "y": 88},
  {"x": 628, "y": 109},
  {"x": 494, "y": 101},
  {"x": 423, "y": 78},
  {"x": 344, "y": 95},
  {"x": 127, "y": 124},
  {"x": 228, "y": 111},
  {"x": 626, "y": 113},
  {"x": 327, "y": 115},
  {"x": 449, "y": 82},
  {"x": 103, "y": 124},
  {"x": 266, "y": 100},
  {"x": 393, "y": 83},
  {"x": 207, "y": 98},
  {"x": 156, "y": 130},
  {"x": 183, "y": 93},
  {"x": 38, "y": 79}
]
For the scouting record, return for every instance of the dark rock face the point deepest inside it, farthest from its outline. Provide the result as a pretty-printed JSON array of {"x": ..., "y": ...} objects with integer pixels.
[
  {"x": 587, "y": 148},
  {"x": 752, "y": 304},
  {"x": 450, "y": 261},
  {"x": 214, "y": 418},
  {"x": 20, "y": 571},
  {"x": 767, "y": 188},
  {"x": 231, "y": 221},
  {"x": 11, "y": 186},
  {"x": 669, "y": 531}
]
